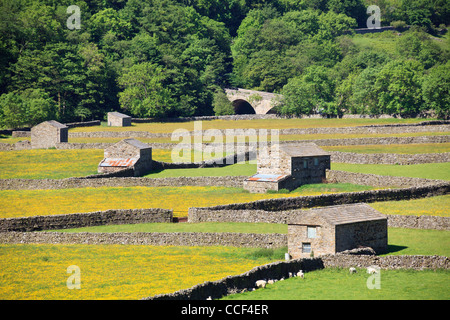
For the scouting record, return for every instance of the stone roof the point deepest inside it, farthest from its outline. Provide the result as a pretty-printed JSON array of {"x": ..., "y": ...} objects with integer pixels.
[
  {"x": 136, "y": 143},
  {"x": 303, "y": 150},
  {"x": 54, "y": 123},
  {"x": 118, "y": 115},
  {"x": 337, "y": 215}
]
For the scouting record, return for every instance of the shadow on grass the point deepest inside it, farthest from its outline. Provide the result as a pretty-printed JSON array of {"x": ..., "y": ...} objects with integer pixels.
[{"x": 394, "y": 248}]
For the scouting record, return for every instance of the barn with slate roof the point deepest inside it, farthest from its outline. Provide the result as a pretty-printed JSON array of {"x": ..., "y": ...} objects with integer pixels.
[
  {"x": 48, "y": 134},
  {"x": 117, "y": 119},
  {"x": 128, "y": 153},
  {"x": 288, "y": 167},
  {"x": 333, "y": 229}
]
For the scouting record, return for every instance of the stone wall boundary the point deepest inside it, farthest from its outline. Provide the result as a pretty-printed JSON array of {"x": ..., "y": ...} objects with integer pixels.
[
  {"x": 100, "y": 182},
  {"x": 198, "y": 215},
  {"x": 79, "y": 220},
  {"x": 285, "y": 269},
  {"x": 292, "y": 203},
  {"x": 192, "y": 239},
  {"x": 320, "y": 142},
  {"x": 374, "y": 129}
]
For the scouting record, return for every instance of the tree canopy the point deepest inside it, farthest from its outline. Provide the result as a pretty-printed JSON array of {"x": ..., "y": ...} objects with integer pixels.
[{"x": 171, "y": 58}]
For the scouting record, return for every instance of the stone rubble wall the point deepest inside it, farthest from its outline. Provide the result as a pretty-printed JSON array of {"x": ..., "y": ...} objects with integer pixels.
[
  {"x": 79, "y": 220},
  {"x": 31, "y": 184},
  {"x": 251, "y": 240},
  {"x": 290, "y": 203}
]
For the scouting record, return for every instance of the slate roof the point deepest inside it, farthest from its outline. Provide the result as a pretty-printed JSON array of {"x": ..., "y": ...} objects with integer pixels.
[
  {"x": 337, "y": 215},
  {"x": 118, "y": 115},
  {"x": 136, "y": 143},
  {"x": 303, "y": 150},
  {"x": 54, "y": 123}
]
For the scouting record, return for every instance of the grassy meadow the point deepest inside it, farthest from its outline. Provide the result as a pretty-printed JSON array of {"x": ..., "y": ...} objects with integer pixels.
[{"x": 112, "y": 272}]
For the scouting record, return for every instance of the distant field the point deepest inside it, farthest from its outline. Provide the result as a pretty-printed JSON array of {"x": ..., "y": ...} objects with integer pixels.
[
  {"x": 439, "y": 171},
  {"x": 23, "y": 203},
  {"x": 38, "y": 272},
  {"x": 248, "y": 124}
]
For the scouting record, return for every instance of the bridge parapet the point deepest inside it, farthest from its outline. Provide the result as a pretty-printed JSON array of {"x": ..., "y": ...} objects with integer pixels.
[{"x": 262, "y": 102}]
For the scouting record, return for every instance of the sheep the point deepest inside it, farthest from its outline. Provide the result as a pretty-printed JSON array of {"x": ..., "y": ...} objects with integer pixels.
[
  {"x": 270, "y": 282},
  {"x": 261, "y": 283},
  {"x": 373, "y": 269},
  {"x": 352, "y": 270},
  {"x": 300, "y": 274}
]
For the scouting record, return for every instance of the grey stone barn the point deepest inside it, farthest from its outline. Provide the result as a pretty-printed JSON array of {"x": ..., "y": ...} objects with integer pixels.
[
  {"x": 289, "y": 167},
  {"x": 117, "y": 119},
  {"x": 334, "y": 229},
  {"x": 48, "y": 134},
  {"x": 126, "y": 154}
]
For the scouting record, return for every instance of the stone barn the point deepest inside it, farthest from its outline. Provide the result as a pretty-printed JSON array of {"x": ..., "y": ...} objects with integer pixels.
[
  {"x": 334, "y": 229},
  {"x": 289, "y": 167},
  {"x": 128, "y": 153},
  {"x": 117, "y": 119},
  {"x": 48, "y": 134}
]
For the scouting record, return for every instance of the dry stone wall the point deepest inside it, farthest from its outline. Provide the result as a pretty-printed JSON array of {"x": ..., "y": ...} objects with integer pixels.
[
  {"x": 79, "y": 220},
  {"x": 197, "y": 215},
  {"x": 99, "y": 182},
  {"x": 271, "y": 240},
  {"x": 284, "y": 204}
]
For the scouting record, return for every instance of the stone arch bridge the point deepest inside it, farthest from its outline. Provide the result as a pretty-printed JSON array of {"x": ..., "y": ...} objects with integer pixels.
[{"x": 251, "y": 101}]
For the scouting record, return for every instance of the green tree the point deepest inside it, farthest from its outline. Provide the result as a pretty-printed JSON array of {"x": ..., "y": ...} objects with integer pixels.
[
  {"x": 144, "y": 94},
  {"x": 222, "y": 105},
  {"x": 399, "y": 88},
  {"x": 311, "y": 94},
  {"x": 27, "y": 108},
  {"x": 436, "y": 90}
]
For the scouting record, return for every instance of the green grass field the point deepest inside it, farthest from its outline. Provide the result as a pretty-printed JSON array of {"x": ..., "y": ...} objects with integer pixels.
[
  {"x": 339, "y": 284},
  {"x": 439, "y": 171}
]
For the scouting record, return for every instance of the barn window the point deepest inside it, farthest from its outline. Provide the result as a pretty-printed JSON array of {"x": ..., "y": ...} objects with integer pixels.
[
  {"x": 306, "y": 247},
  {"x": 305, "y": 164},
  {"x": 311, "y": 232},
  {"x": 316, "y": 161}
]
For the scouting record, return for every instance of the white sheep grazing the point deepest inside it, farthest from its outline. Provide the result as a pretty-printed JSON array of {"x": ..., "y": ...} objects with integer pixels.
[
  {"x": 300, "y": 274},
  {"x": 261, "y": 283},
  {"x": 352, "y": 270},
  {"x": 270, "y": 282},
  {"x": 372, "y": 269}
]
